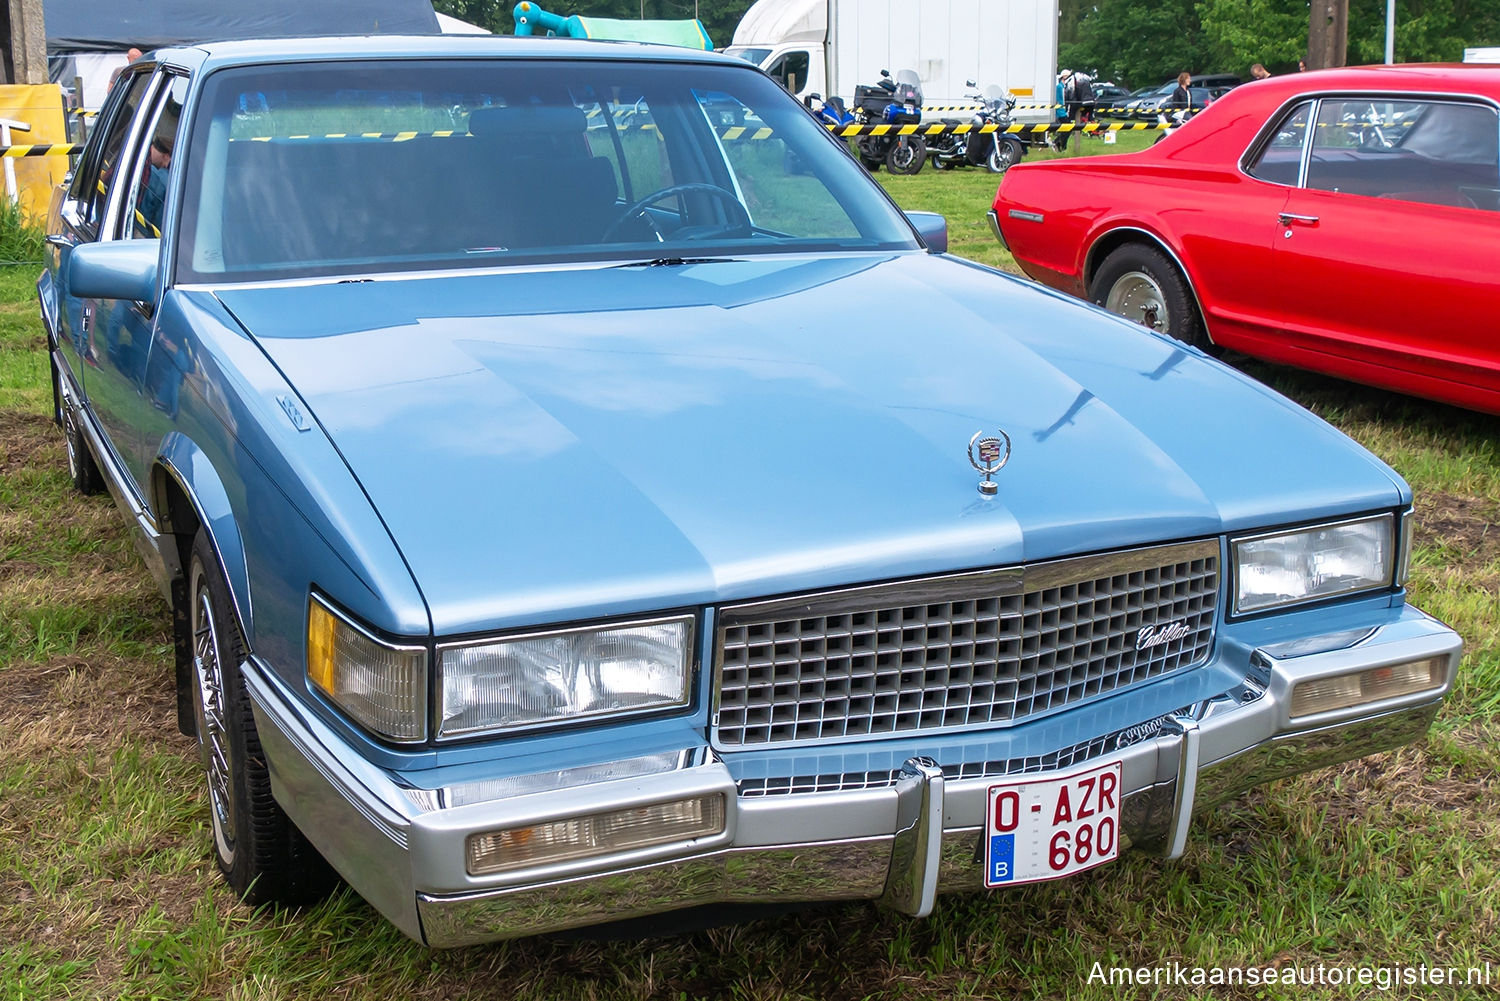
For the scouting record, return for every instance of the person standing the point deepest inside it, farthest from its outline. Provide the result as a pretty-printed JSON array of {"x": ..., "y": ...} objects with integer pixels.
[
  {"x": 1060, "y": 139},
  {"x": 1181, "y": 99},
  {"x": 1258, "y": 71}
]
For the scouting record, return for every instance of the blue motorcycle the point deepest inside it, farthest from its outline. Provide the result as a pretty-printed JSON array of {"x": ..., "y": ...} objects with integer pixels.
[{"x": 891, "y": 102}]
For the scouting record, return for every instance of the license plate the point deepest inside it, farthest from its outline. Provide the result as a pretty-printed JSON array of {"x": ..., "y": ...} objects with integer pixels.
[{"x": 1050, "y": 827}]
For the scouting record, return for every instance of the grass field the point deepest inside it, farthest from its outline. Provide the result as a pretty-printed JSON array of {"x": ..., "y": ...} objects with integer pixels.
[{"x": 107, "y": 887}]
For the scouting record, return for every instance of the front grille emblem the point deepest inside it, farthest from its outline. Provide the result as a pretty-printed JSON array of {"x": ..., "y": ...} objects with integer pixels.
[
  {"x": 1162, "y": 634},
  {"x": 989, "y": 454}
]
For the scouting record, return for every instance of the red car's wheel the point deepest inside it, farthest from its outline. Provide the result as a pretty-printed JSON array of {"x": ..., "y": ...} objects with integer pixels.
[{"x": 1142, "y": 284}]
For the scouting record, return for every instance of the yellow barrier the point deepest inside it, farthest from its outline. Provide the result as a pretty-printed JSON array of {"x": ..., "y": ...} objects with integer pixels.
[{"x": 40, "y": 106}]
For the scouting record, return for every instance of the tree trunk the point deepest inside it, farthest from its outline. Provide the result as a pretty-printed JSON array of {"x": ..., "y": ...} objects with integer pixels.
[{"x": 1327, "y": 33}]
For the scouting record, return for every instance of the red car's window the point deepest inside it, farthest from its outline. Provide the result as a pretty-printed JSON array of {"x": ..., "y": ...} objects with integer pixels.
[
  {"x": 1433, "y": 152},
  {"x": 1281, "y": 159}
]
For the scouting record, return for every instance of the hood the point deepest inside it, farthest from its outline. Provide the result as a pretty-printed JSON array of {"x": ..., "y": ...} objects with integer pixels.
[{"x": 577, "y": 443}]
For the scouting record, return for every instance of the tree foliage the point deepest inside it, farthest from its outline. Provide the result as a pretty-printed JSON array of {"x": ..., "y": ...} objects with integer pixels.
[{"x": 1147, "y": 41}]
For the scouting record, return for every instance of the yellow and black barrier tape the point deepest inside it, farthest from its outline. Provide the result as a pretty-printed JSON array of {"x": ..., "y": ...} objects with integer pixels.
[
  {"x": 41, "y": 149},
  {"x": 846, "y": 131},
  {"x": 976, "y": 105}
]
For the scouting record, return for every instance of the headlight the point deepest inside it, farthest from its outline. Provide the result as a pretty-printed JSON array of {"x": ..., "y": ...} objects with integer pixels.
[
  {"x": 558, "y": 677},
  {"x": 381, "y": 685},
  {"x": 1311, "y": 564}
]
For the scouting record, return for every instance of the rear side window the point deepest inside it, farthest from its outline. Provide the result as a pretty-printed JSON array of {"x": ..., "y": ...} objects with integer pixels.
[
  {"x": 1280, "y": 160},
  {"x": 1431, "y": 152}
]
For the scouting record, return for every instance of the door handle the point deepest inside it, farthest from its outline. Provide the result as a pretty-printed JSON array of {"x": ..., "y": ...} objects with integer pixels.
[{"x": 1287, "y": 218}]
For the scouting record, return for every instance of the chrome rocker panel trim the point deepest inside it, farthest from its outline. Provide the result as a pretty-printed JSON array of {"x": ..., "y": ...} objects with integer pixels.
[{"x": 403, "y": 848}]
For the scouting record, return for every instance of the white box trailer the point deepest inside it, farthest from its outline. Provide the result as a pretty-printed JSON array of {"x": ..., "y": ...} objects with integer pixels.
[{"x": 828, "y": 47}]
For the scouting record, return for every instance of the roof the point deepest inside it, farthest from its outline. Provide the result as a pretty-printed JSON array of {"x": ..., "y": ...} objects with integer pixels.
[{"x": 94, "y": 26}]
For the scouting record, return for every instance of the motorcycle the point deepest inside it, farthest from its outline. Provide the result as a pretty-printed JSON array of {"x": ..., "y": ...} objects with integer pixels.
[
  {"x": 891, "y": 102},
  {"x": 996, "y": 152},
  {"x": 829, "y": 112}
]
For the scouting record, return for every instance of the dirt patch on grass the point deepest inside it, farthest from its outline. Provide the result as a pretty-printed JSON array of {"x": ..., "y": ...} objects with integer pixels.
[
  {"x": 23, "y": 439},
  {"x": 72, "y": 702},
  {"x": 1464, "y": 526}
]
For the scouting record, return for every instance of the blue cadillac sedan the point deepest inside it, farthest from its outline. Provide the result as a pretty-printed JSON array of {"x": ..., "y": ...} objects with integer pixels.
[{"x": 558, "y": 528}]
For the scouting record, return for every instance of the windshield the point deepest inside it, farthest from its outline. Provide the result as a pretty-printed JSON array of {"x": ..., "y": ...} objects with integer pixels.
[
  {"x": 341, "y": 168},
  {"x": 908, "y": 85}
]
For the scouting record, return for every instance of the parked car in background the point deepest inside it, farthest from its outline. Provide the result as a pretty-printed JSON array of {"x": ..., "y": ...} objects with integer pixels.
[
  {"x": 546, "y": 547},
  {"x": 1332, "y": 220},
  {"x": 1109, "y": 97},
  {"x": 1156, "y": 102}
]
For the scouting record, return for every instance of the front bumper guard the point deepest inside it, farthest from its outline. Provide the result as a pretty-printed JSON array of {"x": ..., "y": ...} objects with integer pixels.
[{"x": 403, "y": 848}]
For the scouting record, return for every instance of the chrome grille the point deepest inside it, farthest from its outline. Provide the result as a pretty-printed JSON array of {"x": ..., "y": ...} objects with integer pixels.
[
  {"x": 969, "y": 650},
  {"x": 1064, "y": 757}
]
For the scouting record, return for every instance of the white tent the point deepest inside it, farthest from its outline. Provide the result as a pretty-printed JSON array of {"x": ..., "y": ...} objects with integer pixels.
[{"x": 450, "y": 25}]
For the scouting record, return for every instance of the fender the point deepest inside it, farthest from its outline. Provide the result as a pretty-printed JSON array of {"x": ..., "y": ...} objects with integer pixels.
[{"x": 180, "y": 460}]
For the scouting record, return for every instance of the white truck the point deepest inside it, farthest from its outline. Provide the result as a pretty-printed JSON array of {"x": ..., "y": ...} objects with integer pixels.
[{"x": 827, "y": 47}]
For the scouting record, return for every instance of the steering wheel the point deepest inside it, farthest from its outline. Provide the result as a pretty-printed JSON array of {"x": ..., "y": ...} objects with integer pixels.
[{"x": 739, "y": 222}]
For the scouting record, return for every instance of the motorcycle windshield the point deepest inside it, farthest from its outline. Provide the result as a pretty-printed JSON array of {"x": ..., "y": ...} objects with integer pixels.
[{"x": 909, "y": 86}]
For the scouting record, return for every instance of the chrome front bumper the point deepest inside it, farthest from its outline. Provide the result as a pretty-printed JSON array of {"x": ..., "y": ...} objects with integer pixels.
[{"x": 403, "y": 848}]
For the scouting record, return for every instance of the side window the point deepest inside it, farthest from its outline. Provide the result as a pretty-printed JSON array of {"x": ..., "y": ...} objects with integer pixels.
[
  {"x": 153, "y": 165},
  {"x": 98, "y": 178},
  {"x": 1431, "y": 152},
  {"x": 790, "y": 71},
  {"x": 1281, "y": 158}
]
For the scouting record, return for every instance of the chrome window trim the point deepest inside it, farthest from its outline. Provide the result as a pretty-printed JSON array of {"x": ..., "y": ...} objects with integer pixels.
[
  {"x": 690, "y": 655},
  {"x": 130, "y": 150},
  {"x": 314, "y": 595},
  {"x": 1231, "y": 608}
]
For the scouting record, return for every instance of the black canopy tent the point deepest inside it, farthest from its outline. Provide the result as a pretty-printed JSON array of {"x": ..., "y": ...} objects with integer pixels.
[{"x": 117, "y": 25}]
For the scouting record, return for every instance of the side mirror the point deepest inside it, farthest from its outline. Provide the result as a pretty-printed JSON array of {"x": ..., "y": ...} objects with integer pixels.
[
  {"x": 932, "y": 228},
  {"x": 119, "y": 269}
]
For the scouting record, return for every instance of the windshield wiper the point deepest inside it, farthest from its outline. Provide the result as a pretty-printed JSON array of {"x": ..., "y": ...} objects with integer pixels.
[{"x": 672, "y": 262}]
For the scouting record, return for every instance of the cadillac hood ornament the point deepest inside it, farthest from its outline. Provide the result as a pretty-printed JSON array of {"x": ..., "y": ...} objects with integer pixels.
[{"x": 988, "y": 454}]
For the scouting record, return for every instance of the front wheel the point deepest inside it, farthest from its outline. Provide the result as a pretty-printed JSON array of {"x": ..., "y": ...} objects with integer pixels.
[
  {"x": 1143, "y": 284},
  {"x": 262, "y": 855},
  {"x": 906, "y": 155},
  {"x": 1005, "y": 154}
]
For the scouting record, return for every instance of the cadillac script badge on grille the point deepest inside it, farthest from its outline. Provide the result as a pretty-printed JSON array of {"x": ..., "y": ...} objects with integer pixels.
[{"x": 988, "y": 454}]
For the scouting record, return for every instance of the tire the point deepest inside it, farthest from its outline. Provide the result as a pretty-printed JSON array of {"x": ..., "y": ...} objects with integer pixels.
[
  {"x": 1142, "y": 284},
  {"x": 262, "y": 855},
  {"x": 871, "y": 163},
  {"x": 82, "y": 469},
  {"x": 906, "y": 157},
  {"x": 1005, "y": 154}
]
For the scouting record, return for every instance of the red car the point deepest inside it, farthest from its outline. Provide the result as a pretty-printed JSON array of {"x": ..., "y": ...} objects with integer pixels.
[{"x": 1346, "y": 221}]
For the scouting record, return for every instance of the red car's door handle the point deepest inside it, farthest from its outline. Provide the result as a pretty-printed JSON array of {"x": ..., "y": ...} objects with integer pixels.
[{"x": 1287, "y": 218}]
